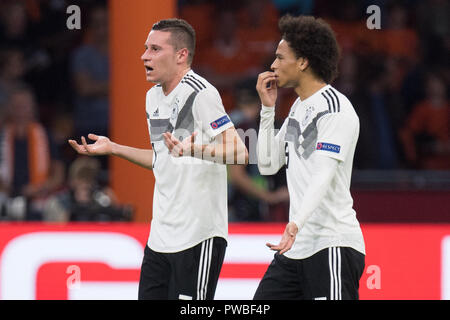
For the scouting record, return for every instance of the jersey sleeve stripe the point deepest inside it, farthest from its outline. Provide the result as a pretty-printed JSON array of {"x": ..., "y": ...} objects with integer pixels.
[
  {"x": 337, "y": 99},
  {"x": 328, "y": 101},
  {"x": 191, "y": 85},
  {"x": 196, "y": 81},
  {"x": 332, "y": 100}
]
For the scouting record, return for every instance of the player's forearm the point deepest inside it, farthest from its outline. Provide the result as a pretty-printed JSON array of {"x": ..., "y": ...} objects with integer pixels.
[
  {"x": 231, "y": 152},
  {"x": 268, "y": 147},
  {"x": 227, "y": 148},
  {"x": 324, "y": 170},
  {"x": 141, "y": 157}
]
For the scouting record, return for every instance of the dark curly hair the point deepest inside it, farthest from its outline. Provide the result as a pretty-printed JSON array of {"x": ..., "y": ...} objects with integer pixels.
[{"x": 314, "y": 40}]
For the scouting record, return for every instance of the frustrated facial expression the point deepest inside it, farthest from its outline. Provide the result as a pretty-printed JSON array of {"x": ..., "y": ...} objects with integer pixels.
[{"x": 160, "y": 57}]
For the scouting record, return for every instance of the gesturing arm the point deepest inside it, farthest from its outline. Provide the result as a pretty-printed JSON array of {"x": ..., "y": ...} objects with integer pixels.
[
  {"x": 104, "y": 146},
  {"x": 228, "y": 148},
  {"x": 218, "y": 139},
  {"x": 324, "y": 170}
]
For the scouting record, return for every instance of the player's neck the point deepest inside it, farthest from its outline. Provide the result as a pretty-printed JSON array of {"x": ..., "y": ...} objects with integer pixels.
[
  {"x": 168, "y": 86},
  {"x": 308, "y": 86}
]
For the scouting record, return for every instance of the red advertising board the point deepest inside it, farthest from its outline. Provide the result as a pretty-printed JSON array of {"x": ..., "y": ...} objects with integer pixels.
[{"x": 102, "y": 261}]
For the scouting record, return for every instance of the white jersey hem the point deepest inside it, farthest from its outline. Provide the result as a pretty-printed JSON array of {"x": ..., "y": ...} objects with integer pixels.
[
  {"x": 185, "y": 246},
  {"x": 308, "y": 253}
]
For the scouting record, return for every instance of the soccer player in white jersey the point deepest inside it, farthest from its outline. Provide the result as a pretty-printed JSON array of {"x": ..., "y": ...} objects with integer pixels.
[
  {"x": 321, "y": 253},
  {"x": 192, "y": 137}
]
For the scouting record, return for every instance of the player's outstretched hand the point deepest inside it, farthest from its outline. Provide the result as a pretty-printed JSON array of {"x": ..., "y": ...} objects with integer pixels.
[
  {"x": 287, "y": 240},
  {"x": 179, "y": 148},
  {"x": 101, "y": 146}
]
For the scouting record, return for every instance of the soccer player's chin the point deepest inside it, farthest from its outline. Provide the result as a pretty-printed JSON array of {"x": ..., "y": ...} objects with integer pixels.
[
  {"x": 280, "y": 83},
  {"x": 287, "y": 83},
  {"x": 150, "y": 78}
]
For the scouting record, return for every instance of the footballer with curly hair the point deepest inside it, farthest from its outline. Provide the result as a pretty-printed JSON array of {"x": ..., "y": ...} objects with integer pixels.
[{"x": 321, "y": 253}]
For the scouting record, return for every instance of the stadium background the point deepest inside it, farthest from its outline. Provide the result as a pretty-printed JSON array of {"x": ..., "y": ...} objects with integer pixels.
[{"x": 92, "y": 80}]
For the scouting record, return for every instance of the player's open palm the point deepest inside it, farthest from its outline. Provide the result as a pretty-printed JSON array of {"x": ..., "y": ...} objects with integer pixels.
[
  {"x": 287, "y": 240},
  {"x": 101, "y": 146}
]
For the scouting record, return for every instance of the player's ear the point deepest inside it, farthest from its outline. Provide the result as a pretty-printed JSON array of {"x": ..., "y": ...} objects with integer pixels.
[
  {"x": 182, "y": 55},
  {"x": 302, "y": 64}
]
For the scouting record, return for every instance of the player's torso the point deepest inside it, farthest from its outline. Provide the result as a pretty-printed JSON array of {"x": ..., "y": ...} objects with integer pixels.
[
  {"x": 334, "y": 215},
  {"x": 189, "y": 201},
  {"x": 172, "y": 113},
  {"x": 301, "y": 139},
  {"x": 180, "y": 177}
]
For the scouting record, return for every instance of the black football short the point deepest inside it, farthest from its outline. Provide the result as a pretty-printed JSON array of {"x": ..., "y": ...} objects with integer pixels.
[
  {"x": 189, "y": 274},
  {"x": 330, "y": 274}
]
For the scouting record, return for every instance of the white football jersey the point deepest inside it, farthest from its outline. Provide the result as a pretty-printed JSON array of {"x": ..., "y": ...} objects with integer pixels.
[
  {"x": 327, "y": 123},
  {"x": 190, "y": 195}
]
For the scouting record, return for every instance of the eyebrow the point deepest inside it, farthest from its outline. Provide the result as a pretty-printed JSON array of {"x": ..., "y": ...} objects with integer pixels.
[{"x": 152, "y": 45}]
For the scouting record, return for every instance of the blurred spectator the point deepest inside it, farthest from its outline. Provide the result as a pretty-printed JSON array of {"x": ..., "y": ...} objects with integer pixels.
[
  {"x": 198, "y": 13},
  {"x": 384, "y": 145},
  {"x": 350, "y": 83},
  {"x": 347, "y": 22},
  {"x": 254, "y": 197},
  {"x": 258, "y": 29},
  {"x": 433, "y": 24},
  {"x": 90, "y": 75},
  {"x": 14, "y": 25},
  {"x": 227, "y": 59},
  {"x": 85, "y": 199},
  {"x": 29, "y": 164},
  {"x": 61, "y": 128},
  {"x": 12, "y": 70},
  {"x": 49, "y": 72},
  {"x": 425, "y": 136},
  {"x": 397, "y": 39},
  {"x": 16, "y": 30}
]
